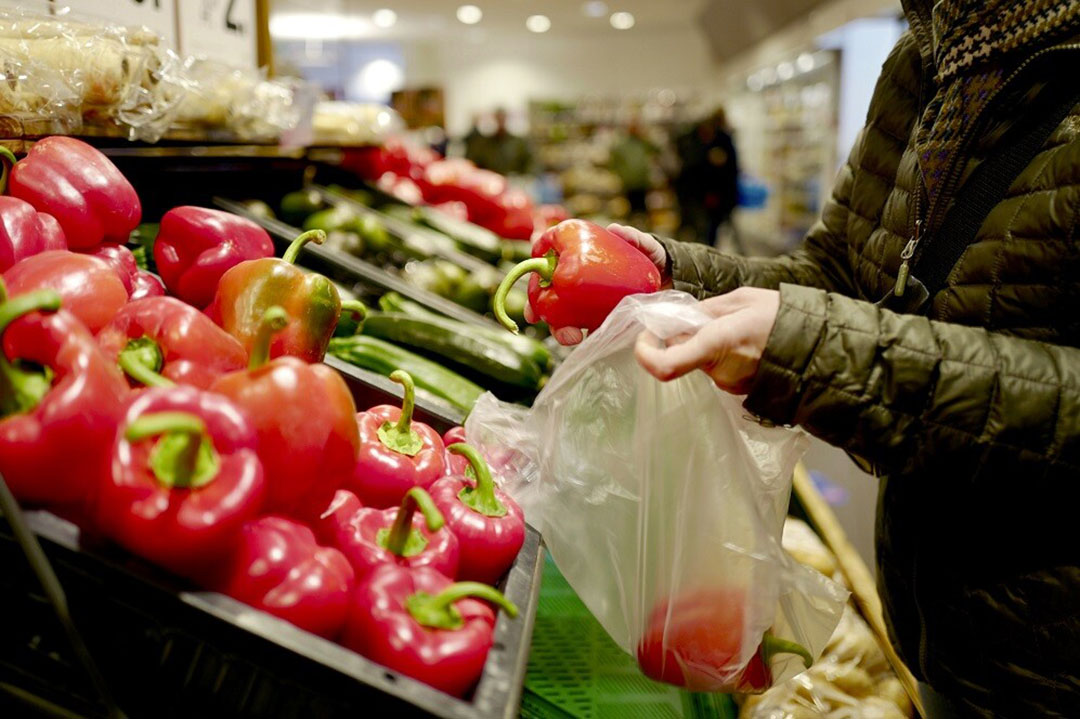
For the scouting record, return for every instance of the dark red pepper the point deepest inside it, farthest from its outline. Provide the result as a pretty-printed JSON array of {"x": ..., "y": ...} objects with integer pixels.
[
  {"x": 423, "y": 625},
  {"x": 396, "y": 453},
  {"x": 182, "y": 479},
  {"x": 455, "y": 463},
  {"x": 138, "y": 283},
  {"x": 60, "y": 401},
  {"x": 80, "y": 187},
  {"x": 489, "y": 525},
  {"x": 306, "y": 421},
  {"x": 278, "y": 567},
  {"x": 373, "y": 537},
  {"x": 90, "y": 287},
  {"x": 697, "y": 642},
  {"x": 166, "y": 336},
  {"x": 195, "y": 246},
  {"x": 581, "y": 272}
]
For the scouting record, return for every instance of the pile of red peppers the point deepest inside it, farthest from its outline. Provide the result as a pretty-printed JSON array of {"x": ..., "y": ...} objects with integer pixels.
[{"x": 191, "y": 421}]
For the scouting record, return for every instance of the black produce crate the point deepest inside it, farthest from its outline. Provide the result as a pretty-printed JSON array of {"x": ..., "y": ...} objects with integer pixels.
[{"x": 169, "y": 653}]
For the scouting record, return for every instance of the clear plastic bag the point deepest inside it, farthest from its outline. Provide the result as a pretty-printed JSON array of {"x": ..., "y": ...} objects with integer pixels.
[{"x": 663, "y": 505}]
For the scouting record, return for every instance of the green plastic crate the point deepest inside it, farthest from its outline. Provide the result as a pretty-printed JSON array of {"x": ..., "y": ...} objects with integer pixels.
[{"x": 576, "y": 672}]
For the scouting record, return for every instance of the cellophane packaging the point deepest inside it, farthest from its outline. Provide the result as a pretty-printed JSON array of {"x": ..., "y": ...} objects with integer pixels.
[
  {"x": 62, "y": 72},
  {"x": 663, "y": 505}
]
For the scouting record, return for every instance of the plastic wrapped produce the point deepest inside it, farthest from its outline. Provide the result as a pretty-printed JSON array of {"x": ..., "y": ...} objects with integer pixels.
[{"x": 67, "y": 73}]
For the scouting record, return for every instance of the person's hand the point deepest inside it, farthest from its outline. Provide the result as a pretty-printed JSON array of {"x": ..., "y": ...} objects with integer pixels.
[
  {"x": 728, "y": 348},
  {"x": 646, "y": 244}
]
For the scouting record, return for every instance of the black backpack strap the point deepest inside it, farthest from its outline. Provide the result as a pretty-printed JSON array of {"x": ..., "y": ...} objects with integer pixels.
[{"x": 990, "y": 181}]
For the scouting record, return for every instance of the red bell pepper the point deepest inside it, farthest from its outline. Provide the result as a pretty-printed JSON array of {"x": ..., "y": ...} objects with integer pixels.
[
  {"x": 546, "y": 216},
  {"x": 511, "y": 217},
  {"x": 182, "y": 480},
  {"x": 278, "y": 567},
  {"x": 165, "y": 335},
  {"x": 80, "y": 187},
  {"x": 195, "y": 246},
  {"x": 89, "y": 287},
  {"x": 60, "y": 401},
  {"x": 421, "y": 624},
  {"x": 370, "y": 538},
  {"x": 138, "y": 283},
  {"x": 312, "y": 302},
  {"x": 455, "y": 463},
  {"x": 396, "y": 453},
  {"x": 490, "y": 526},
  {"x": 25, "y": 232},
  {"x": 581, "y": 272},
  {"x": 306, "y": 421},
  {"x": 697, "y": 642}
]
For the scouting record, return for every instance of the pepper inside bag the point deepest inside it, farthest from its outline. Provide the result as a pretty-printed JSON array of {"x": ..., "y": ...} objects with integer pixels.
[{"x": 663, "y": 505}]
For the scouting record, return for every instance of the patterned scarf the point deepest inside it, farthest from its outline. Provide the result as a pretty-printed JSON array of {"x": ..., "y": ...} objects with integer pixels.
[{"x": 976, "y": 44}]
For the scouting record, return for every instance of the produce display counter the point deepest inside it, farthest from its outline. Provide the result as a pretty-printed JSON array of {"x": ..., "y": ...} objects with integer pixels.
[{"x": 168, "y": 651}]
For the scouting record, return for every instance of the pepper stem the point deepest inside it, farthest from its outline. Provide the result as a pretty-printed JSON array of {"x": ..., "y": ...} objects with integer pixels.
[
  {"x": 772, "y": 645},
  {"x": 481, "y": 498},
  {"x": 293, "y": 250},
  {"x": 400, "y": 436},
  {"x": 7, "y": 157},
  {"x": 438, "y": 611},
  {"x": 358, "y": 310},
  {"x": 416, "y": 498},
  {"x": 273, "y": 321},
  {"x": 141, "y": 360},
  {"x": 21, "y": 389},
  {"x": 543, "y": 266},
  {"x": 184, "y": 457}
]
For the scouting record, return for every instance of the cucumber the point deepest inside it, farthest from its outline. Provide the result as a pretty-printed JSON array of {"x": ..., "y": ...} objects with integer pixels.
[
  {"x": 379, "y": 356},
  {"x": 474, "y": 239},
  {"x": 525, "y": 346},
  {"x": 459, "y": 343}
]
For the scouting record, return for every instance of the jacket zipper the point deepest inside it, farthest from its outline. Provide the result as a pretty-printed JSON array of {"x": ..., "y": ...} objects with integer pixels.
[{"x": 933, "y": 213}]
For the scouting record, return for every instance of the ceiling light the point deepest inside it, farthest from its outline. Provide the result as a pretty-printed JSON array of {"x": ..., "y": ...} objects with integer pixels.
[
  {"x": 470, "y": 14},
  {"x": 805, "y": 62},
  {"x": 595, "y": 8},
  {"x": 378, "y": 79},
  {"x": 384, "y": 18},
  {"x": 622, "y": 20},
  {"x": 785, "y": 71},
  {"x": 768, "y": 76},
  {"x": 755, "y": 83},
  {"x": 318, "y": 26},
  {"x": 538, "y": 23}
]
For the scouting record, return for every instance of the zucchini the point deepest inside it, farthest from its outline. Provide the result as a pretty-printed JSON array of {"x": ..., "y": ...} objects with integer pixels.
[
  {"x": 525, "y": 346},
  {"x": 459, "y": 343},
  {"x": 379, "y": 356},
  {"x": 475, "y": 240}
]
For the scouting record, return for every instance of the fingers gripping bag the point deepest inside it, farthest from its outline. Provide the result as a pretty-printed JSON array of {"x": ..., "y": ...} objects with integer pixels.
[{"x": 663, "y": 506}]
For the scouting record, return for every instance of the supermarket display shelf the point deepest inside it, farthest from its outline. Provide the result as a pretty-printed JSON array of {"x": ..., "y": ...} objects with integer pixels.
[{"x": 167, "y": 651}]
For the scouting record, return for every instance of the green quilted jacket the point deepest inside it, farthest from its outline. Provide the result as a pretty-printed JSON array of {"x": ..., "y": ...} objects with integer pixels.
[{"x": 970, "y": 415}]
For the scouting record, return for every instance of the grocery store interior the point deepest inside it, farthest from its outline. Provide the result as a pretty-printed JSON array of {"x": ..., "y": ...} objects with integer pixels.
[{"x": 325, "y": 377}]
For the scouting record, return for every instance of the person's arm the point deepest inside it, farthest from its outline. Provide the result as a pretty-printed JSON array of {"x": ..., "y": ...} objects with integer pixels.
[
  {"x": 901, "y": 390},
  {"x": 822, "y": 261}
]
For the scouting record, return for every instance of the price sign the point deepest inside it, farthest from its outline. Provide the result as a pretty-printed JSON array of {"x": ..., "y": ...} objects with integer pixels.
[
  {"x": 158, "y": 15},
  {"x": 221, "y": 30}
]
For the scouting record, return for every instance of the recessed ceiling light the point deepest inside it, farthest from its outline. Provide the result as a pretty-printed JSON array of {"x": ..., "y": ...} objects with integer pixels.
[
  {"x": 384, "y": 18},
  {"x": 805, "y": 62},
  {"x": 622, "y": 20},
  {"x": 318, "y": 26},
  {"x": 595, "y": 8},
  {"x": 538, "y": 23},
  {"x": 470, "y": 14},
  {"x": 785, "y": 71}
]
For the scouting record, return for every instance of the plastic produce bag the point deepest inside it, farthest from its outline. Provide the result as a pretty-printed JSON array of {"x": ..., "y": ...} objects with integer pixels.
[{"x": 663, "y": 504}]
